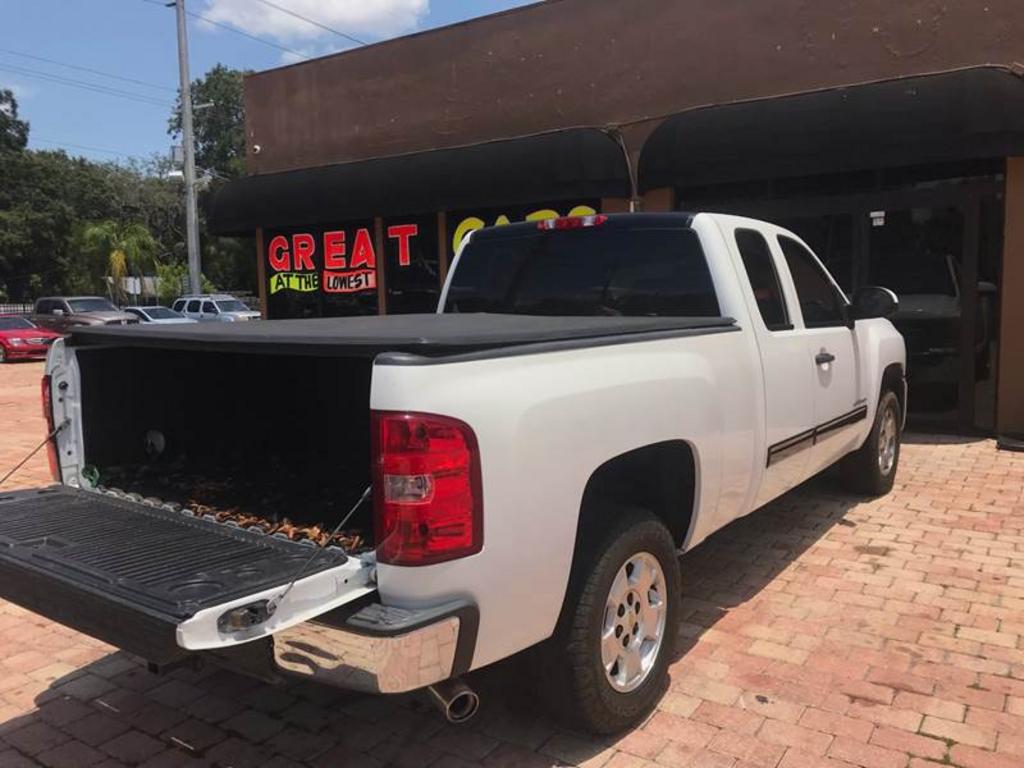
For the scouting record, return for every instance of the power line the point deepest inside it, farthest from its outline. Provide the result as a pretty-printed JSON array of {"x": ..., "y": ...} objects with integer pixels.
[
  {"x": 89, "y": 70},
  {"x": 229, "y": 28},
  {"x": 86, "y": 147},
  {"x": 83, "y": 85},
  {"x": 290, "y": 12}
]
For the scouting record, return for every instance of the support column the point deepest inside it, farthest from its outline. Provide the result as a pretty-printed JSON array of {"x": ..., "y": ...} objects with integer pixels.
[
  {"x": 382, "y": 285},
  {"x": 1010, "y": 394},
  {"x": 261, "y": 272}
]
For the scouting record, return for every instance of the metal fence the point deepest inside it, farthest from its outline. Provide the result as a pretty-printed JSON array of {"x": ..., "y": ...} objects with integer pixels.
[{"x": 17, "y": 308}]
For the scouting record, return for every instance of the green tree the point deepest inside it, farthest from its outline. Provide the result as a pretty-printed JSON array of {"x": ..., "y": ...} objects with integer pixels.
[
  {"x": 219, "y": 128},
  {"x": 123, "y": 248},
  {"x": 13, "y": 131}
]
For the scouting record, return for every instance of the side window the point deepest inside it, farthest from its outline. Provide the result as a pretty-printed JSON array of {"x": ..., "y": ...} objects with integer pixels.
[
  {"x": 820, "y": 303},
  {"x": 208, "y": 308},
  {"x": 764, "y": 280},
  {"x": 44, "y": 307},
  {"x": 193, "y": 306},
  {"x": 178, "y": 305}
]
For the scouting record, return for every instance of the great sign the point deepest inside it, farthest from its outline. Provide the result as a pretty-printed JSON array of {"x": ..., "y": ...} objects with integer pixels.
[{"x": 321, "y": 270}]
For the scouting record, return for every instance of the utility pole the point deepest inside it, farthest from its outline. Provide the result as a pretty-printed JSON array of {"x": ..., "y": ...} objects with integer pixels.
[{"x": 188, "y": 142}]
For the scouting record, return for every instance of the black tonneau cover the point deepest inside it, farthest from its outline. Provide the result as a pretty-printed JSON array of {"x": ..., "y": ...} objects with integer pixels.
[{"x": 429, "y": 335}]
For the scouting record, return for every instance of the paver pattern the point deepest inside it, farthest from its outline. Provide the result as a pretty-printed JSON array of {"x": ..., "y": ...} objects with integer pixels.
[{"x": 823, "y": 630}]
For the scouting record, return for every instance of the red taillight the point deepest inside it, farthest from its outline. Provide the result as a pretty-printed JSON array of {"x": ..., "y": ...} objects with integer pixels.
[
  {"x": 427, "y": 501},
  {"x": 46, "y": 394},
  {"x": 572, "y": 222}
]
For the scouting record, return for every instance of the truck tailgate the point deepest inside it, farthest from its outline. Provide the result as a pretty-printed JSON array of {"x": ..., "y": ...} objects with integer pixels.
[{"x": 130, "y": 573}]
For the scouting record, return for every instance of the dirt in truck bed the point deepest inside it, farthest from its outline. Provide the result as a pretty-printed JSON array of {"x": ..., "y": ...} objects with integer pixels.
[{"x": 282, "y": 505}]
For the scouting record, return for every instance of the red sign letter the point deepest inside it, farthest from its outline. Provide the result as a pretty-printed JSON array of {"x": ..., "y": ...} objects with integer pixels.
[
  {"x": 403, "y": 232},
  {"x": 277, "y": 254},
  {"x": 362, "y": 251},
  {"x": 334, "y": 250},
  {"x": 303, "y": 246}
]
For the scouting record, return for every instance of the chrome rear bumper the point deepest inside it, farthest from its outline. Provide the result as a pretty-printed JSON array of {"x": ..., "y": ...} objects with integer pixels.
[{"x": 381, "y": 649}]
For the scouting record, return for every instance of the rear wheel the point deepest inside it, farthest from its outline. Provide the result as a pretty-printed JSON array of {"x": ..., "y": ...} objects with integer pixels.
[
  {"x": 872, "y": 468},
  {"x": 606, "y": 666},
  {"x": 3, "y": 355}
]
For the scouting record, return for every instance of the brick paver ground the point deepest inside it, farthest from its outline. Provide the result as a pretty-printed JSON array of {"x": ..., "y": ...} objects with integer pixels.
[{"x": 821, "y": 631}]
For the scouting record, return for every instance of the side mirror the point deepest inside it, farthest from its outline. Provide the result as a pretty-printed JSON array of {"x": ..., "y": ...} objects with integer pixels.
[
  {"x": 58, "y": 312},
  {"x": 872, "y": 301}
]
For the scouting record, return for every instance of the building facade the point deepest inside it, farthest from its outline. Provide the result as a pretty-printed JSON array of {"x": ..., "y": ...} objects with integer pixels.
[{"x": 890, "y": 136}]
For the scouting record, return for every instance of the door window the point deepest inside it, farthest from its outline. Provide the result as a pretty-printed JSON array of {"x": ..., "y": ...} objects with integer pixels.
[
  {"x": 193, "y": 306},
  {"x": 764, "y": 280},
  {"x": 820, "y": 302}
]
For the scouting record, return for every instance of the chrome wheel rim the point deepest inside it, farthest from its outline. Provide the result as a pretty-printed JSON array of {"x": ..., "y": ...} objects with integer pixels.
[
  {"x": 634, "y": 622},
  {"x": 888, "y": 435}
]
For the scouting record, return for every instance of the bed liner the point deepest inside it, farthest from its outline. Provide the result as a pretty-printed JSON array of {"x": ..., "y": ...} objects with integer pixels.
[{"x": 428, "y": 335}]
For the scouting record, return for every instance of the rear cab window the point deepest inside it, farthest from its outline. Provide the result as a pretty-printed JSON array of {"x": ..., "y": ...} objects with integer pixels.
[{"x": 623, "y": 271}]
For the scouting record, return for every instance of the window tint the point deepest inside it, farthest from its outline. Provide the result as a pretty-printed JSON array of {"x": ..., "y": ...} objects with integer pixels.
[
  {"x": 91, "y": 305},
  {"x": 178, "y": 305},
  {"x": 764, "y": 280},
  {"x": 629, "y": 272},
  {"x": 137, "y": 312},
  {"x": 820, "y": 302},
  {"x": 208, "y": 308},
  {"x": 44, "y": 307},
  {"x": 193, "y": 306}
]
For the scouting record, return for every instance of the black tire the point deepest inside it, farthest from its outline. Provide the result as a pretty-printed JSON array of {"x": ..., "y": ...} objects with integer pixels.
[
  {"x": 573, "y": 676},
  {"x": 862, "y": 471},
  {"x": 3, "y": 356}
]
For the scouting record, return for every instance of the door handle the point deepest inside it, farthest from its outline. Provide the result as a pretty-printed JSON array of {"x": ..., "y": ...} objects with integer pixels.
[{"x": 824, "y": 358}]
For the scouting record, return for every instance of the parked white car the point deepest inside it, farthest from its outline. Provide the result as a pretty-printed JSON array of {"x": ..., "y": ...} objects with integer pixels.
[
  {"x": 594, "y": 396},
  {"x": 158, "y": 315},
  {"x": 214, "y": 307}
]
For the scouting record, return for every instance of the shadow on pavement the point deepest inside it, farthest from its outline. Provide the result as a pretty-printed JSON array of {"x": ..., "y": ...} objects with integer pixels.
[{"x": 115, "y": 708}]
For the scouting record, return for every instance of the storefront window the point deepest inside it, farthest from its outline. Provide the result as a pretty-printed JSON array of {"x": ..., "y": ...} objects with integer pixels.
[
  {"x": 412, "y": 268},
  {"x": 917, "y": 252}
]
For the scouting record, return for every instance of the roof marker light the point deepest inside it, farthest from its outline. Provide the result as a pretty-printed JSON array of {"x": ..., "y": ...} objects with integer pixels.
[{"x": 572, "y": 222}]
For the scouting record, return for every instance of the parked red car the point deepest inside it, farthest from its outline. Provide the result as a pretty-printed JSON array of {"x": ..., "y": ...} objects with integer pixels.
[{"x": 21, "y": 339}]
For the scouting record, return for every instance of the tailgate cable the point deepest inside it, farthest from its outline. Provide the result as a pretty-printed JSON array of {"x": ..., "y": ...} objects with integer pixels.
[
  {"x": 274, "y": 602},
  {"x": 34, "y": 451}
]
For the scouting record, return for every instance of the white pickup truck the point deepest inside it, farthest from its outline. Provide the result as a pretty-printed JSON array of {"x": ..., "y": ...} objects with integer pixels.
[{"x": 387, "y": 503}]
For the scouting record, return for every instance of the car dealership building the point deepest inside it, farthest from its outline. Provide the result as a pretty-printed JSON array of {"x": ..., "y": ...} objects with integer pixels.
[{"x": 890, "y": 136}]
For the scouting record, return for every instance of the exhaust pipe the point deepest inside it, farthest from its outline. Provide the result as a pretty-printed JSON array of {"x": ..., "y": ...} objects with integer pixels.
[{"x": 456, "y": 700}]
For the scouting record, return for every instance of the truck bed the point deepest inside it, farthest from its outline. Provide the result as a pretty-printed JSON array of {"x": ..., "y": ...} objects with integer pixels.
[
  {"x": 429, "y": 335},
  {"x": 113, "y": 567}
]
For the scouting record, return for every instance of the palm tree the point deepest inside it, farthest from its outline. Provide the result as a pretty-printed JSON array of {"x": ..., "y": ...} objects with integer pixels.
[{"x": 124, "y": 247}]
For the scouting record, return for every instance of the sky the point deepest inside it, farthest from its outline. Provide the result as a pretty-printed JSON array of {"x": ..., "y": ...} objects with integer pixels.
[{"x": 91, "y": 114}]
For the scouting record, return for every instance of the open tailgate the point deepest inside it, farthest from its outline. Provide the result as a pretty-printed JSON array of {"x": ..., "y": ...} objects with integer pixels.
[{"x": 155, "y": 581}]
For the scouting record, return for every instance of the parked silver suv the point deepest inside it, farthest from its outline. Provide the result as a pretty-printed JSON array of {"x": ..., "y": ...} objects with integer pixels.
[{"x": 216, "y": 307}]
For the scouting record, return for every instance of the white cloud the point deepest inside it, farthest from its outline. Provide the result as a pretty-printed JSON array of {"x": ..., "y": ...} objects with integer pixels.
[{"x": 364, "y": 19}]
